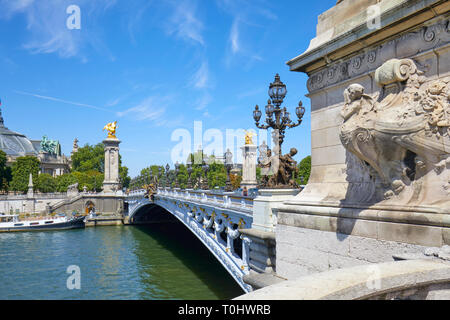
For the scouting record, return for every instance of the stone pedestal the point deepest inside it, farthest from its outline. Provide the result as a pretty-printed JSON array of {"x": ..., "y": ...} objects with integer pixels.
[
  {"x": 249, "y": 166},
  {"x": 265, "y": 207},
  {"x": 262, "y": 253},
  {"x": 111, "y": 184}
]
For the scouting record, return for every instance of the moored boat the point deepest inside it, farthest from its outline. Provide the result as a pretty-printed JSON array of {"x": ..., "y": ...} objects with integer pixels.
[{"x": 10, "y": 223}]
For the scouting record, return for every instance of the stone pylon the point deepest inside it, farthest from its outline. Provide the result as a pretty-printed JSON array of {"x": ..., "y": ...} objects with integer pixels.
[
  {"x": 249, "y": 166},
  {"x": 111, "y": 184}
]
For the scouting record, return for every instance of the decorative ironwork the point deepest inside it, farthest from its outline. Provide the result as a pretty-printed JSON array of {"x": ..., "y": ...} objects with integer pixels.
[{"x": 279, "y": 120}]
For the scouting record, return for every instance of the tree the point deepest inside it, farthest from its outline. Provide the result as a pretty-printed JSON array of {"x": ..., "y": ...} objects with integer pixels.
[
  {"x": 217, "y": 175},
  {"x": 304, "y": 170},
  {"x": 21, "y": 170},
  {"x": 46, "y": 183},
  {"x": 65, "y": 180},
  {"x": 182, "y": 176},
  {"x": 235, "y": 180},
  {"x": 124, "y": 177},
  {"x": 5, "y": 172},
  {"x": 89, "y": 158}
]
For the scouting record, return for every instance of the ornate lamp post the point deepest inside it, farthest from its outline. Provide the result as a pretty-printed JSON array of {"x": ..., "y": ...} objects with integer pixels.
[
  {"x": 158, "y": 176},
  {"x": 205, "y": 168},
  {"x": 167, "y": 175},
  {"x": 282, "y": 120},
  {"x": 177, "y": 169},
  {"x": 279, "y": 119},
  {"x": 189, "y": 170},
  {"x": 228, "y": 156}
]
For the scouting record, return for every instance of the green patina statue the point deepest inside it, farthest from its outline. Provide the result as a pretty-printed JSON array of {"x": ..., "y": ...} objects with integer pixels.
[{"x": 50, "y": 146}]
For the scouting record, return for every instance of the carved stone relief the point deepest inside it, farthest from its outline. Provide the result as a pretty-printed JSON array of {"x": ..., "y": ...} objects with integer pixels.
[
  {"x": 405, "y": 45},
  {"x": 403, "y": 135}
]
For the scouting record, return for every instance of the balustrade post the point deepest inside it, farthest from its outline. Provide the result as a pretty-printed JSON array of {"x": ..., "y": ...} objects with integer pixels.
[
  {"x": 230, "y": 243},
  {"x": 245, "y": 252}
]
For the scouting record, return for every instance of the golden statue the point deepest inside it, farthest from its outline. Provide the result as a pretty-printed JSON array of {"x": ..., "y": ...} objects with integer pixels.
[
  {"x": 111, "y": 128},
  {"x": 248, "y": 137}
]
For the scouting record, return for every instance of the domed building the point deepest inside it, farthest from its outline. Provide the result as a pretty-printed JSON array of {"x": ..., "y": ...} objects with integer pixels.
[{"x": 47, "y": 151}]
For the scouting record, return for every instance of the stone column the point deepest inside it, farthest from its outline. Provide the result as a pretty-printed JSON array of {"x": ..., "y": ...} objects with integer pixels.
[
  {"x": 249, "y": 166},
  {"x": 29, "y": 206},
  {"x": 111, "y": 183}
]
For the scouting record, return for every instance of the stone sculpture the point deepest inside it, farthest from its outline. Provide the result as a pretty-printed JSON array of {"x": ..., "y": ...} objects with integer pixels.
[
  {"x": 402, "y": 137},
  {"x": 280, "y": 176}
]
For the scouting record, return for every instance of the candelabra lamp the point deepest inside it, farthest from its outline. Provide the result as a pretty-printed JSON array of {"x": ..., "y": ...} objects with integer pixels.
[
  {"x": 279, "y": 119},
  {"x": 228, "y": 156}
]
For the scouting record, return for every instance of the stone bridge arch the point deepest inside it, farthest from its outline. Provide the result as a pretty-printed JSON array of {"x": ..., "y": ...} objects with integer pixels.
[{"x": 203, "y": 226}]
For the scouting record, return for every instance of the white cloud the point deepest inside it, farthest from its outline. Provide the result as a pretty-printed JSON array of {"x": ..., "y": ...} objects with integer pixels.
[
  {"x": 200, "y": 80},
  {"x": 234, "y": 36},
  {"x": 153, "y": 109},
  {"x": 148, "y": 109},
  {"x": 203, "y": 102},
  {"x": 246, "y": 15},
  {"x": 46, "y": 25},
  {"x": 184, "y": 23}
]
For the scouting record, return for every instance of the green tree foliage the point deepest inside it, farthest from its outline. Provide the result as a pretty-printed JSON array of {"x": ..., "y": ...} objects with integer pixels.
[
  {"x": 182, "y": 176},
  {"x": 217, "y": 175},
  {"x": 21, "y": 170},
  {"x": 124, "y": 177},
  {"x": 89, "y": 158},
  {"x": 93, "y": 180},
  {"x": 65, "y": 180},
  {"x": 46, "y": 183},
  {"x": 5, "y": 172},
  {"x": 304, "y": 169}
]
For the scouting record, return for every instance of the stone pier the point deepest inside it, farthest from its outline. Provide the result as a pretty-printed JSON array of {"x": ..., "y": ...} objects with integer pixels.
[{"x": 380, "y": 121}]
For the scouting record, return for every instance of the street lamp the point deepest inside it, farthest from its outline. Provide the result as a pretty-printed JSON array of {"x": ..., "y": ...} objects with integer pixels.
[
  {"x": 167, "y": 175},
  {"x": 177, "y": 169},
  {"x": 277, "y": 92},
  {"x": 228, "y": 166},
  {"x": 189, "y": 170},
  {"x": 205, "y": 168}
]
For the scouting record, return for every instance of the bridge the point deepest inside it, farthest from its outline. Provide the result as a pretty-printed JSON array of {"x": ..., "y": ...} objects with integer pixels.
[{"x": 216, "y": 219}]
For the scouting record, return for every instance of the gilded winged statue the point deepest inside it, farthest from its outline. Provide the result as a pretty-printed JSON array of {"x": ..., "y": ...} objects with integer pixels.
[
  {"x": 111, "y": 128},
  {"x": 248, "y": 137}
]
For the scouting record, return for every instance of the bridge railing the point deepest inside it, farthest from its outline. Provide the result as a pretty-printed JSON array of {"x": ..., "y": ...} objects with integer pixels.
[{"x": 223, "y": 199}]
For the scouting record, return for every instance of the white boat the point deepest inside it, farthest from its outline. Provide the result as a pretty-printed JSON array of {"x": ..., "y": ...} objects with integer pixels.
[{"x": 10, "y": 223}]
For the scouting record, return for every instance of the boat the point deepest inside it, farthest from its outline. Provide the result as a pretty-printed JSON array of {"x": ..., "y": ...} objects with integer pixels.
[{"x": 10, "y": 223}]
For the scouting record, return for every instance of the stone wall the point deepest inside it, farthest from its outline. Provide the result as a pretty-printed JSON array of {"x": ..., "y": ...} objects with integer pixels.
[
  {"x": 108, "y": 204},
  {"x": 22, "y": 203}
]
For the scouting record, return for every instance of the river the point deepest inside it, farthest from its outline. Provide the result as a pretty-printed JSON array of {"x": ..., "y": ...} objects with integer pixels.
[{"x": 155, "y": 262}]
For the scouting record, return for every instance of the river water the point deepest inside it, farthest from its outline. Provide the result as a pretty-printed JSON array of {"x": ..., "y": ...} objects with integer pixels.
[{"x": 159, "y": 261}]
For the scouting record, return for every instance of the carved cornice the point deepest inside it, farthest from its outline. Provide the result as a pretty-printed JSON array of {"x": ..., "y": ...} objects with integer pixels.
[{"x": 406, "y": 45}]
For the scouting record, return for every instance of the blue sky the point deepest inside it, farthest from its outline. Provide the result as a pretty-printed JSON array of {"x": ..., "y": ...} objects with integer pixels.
[{"x": 154, "y": 66}]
